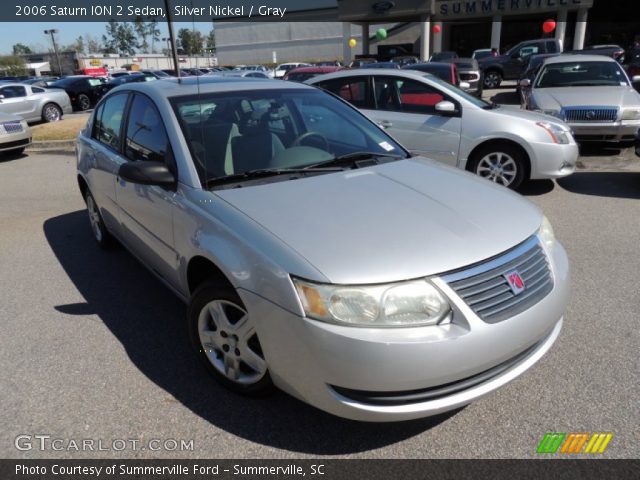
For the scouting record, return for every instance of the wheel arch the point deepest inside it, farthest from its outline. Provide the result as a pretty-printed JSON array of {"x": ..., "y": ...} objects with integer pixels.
[
  {"x": 201, "y": 269},
  {"x": 82, "y": 185},
  {"x": 494, "y": 142}
]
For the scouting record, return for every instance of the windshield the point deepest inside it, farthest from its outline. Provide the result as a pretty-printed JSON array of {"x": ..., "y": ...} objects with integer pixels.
[
  {"x": 235, "y": 132},
  {"x": 461, "y": 93},
  {"x": 584, "y": 74}
]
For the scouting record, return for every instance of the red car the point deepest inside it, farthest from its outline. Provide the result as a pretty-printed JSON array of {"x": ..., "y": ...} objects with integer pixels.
[{"x": 301, "y": 74}]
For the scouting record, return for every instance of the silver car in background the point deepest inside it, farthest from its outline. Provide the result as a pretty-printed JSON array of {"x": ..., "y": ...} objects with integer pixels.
[
  {"x": 33, "y": 103},
  {"x": 15, "y": 134},
  {"x": 592, "y": 93},
  {"x": 315, "y": 253},
  {"x": 433, "y": 118}
]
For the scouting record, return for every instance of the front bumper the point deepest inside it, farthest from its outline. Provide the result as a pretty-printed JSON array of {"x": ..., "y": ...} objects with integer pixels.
[
  {"x": 616, "y": 132},
  {"x": 14, "y": 141},
  {"x": 308, "y": 359},
  {"x": 551, "y": 160}
]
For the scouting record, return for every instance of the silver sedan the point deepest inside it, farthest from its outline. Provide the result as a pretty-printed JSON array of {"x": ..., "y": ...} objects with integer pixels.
[
  {"x": 432, "y": 118},
  {"x": 315, "y": 253},
  {"x": 592, "y": 93},
  {"x": 34, "y": 103}
]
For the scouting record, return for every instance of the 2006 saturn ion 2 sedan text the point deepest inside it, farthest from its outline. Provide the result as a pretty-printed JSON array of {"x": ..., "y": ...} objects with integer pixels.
[{"x": 315, "y": 253}]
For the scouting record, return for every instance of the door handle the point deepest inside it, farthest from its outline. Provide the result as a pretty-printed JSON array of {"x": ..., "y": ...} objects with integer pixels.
[{"x": 385, "y": 124}]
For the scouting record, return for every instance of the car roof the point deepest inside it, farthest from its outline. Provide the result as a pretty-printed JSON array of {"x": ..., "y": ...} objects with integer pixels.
[
  {"x": 407, "y": 73},
  {"x": 13, "y": 83},
  {"x": 209, "y": 84},
  {"x": 315, "y": 69},
  {"x": 578, "y": 58}
]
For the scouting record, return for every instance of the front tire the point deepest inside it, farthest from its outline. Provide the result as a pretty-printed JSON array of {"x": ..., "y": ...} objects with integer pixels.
[
  {"x": 224, "y": 337},
  {"x": 501, "y": 163},
  {"x": 492, "y": 79},
  {"x": 51, "y": 113},
  {"x": 100, "y": 233}
]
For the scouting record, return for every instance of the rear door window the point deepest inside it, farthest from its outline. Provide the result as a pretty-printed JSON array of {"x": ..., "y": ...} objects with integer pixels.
[{"x": 351, "y": 89}]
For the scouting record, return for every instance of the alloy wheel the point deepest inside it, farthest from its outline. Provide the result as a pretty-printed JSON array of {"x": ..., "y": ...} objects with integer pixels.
[
  {"x": 230, "y": 342},
  {"x": 491, "y": 80},
  {"x": 94, "y": 218},
  {"x": 51, "y": 113},
  {"x": 498, "y": 167}
]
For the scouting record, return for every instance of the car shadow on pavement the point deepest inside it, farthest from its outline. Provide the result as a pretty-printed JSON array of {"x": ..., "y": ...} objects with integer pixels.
[
  {"x": 6, "y": 157},
  {"x": 603, "y": 184},
  {"x": 151, "y": 325},
  {"x": 506, "y": 98},
  {"x": 534, "y": 188}
]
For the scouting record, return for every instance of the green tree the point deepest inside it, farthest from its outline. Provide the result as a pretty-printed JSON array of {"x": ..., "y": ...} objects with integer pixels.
[
  {"x": 191, "y": 41},
  {"x": 142, "y": 31},
  {"x": 93, "y": 45},
  {"x": 120, "y": 38},
  {"x": 21, "y": 49},
  {"x": 77, "y": 46},
  {"x": 154, "y": 32},
  {"x": 13, "y": 65}
]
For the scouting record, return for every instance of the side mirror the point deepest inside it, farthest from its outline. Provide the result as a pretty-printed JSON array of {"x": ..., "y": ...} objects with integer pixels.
[
  {"x": 464, "y": 85},
  {"x": 515, "y": 54},
  {"x": 147, "y": 173},
  {"x": 446, "y": 108},
  {"x": 634, "y": 79},
  {"x": 525, "y": 83}
]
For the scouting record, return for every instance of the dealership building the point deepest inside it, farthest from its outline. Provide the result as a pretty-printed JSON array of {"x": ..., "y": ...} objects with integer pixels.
[{"x": 321, "y": 29}]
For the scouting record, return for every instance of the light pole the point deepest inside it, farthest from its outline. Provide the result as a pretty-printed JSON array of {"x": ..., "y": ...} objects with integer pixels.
[
  {"x": 172, "y": 37},
  {"x": 52, "y": 32},
  {"x": 168, "y": 40}
]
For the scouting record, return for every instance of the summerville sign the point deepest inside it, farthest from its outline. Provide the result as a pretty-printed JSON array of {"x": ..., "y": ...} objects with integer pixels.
[{"x": 459, "y": 8}]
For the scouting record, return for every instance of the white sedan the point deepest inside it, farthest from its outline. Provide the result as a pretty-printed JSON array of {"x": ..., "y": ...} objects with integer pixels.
[{"x": 434, "y": 119}]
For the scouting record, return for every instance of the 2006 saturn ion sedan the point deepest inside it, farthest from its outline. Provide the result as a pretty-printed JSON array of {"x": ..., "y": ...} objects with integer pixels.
[{"x": 315, "y": 253}]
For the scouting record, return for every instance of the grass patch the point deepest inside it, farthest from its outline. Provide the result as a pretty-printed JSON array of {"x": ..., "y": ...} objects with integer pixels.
[{"x": 66, "y": 129}]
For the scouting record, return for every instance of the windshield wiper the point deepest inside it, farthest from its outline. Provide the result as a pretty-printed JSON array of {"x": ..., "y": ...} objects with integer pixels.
[
  {"x": 491, "y": 106},
  {"x": 352, "y": 158},
  {"x": 266, "y": 172}
]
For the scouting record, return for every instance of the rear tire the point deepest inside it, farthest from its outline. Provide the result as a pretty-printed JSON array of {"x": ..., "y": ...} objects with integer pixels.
[
  {"x": 100, "y": 233},
  {"x": 224, "y": 339},
  {"x": 501, "y": 163},
  {"x": 84, "y": 103},
  {"x": 51, "y": 113}
]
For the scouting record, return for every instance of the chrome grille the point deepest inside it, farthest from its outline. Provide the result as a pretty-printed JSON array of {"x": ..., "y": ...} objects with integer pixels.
[
  {"x": 591, "y": 114},
  {"x": 12, "y": 127},
  {"x": 485, "y": 288}
]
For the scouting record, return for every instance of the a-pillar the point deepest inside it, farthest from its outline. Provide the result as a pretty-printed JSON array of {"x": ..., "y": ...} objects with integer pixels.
[
  {"x": 425, "y": 31},
  {"x": 496, "y": 31},
  {"x": 346, "y": 49},
  {"x": 561, "y": 27},
  {"x": 581, "y": 29}
]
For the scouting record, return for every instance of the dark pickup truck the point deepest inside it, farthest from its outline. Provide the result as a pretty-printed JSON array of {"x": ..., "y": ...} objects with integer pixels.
[{"x": 511, "y": 65}]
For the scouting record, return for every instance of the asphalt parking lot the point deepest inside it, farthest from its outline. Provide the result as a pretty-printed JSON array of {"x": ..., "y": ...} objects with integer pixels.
[{"x": 95, "y": 347}]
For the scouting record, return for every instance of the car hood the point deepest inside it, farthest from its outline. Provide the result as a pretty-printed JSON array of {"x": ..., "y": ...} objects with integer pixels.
[
  {"x": 556, "y": 98},
  {"x": 401, "y": 220},
  {"x": 525, "y": 115}
]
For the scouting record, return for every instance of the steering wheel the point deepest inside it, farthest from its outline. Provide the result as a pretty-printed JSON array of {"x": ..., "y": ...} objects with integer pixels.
[{"x": 298, "y": 141}]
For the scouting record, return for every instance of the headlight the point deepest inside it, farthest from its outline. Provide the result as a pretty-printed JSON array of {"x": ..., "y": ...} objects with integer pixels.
[
  {"x": 546, "y": 234},
  {"x": 557, "y": 133},
  {"x": 631, "y": 114},
  {"x": 406, "y": 304}
]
